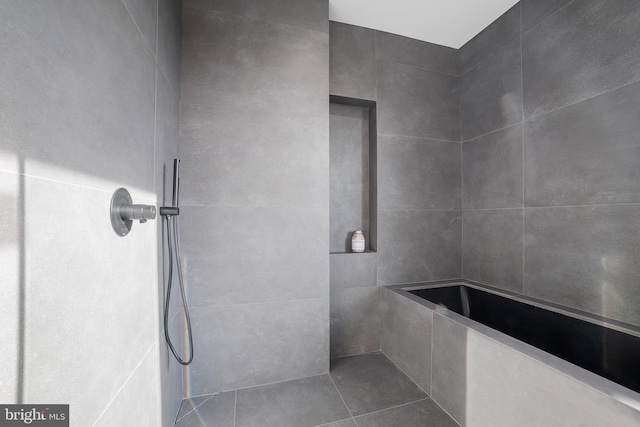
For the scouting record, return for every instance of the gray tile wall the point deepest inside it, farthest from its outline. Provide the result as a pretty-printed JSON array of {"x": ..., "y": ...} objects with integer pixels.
[
  {"x": 419, "y": 221},
  {"x": 92, "y": 95},
  {"x": 255, "y": 190},
  {"x": 549, "y": 100}
]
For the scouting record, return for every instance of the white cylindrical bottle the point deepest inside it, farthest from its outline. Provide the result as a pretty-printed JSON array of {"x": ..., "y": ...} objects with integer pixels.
[{"x": 357, "y": 242}]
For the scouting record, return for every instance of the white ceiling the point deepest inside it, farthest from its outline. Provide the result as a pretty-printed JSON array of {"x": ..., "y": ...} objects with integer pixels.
[{"x": 445, "y": 22}]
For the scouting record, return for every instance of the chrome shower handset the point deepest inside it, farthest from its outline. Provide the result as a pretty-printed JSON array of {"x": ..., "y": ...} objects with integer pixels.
[{"x": 174, "y": 210}]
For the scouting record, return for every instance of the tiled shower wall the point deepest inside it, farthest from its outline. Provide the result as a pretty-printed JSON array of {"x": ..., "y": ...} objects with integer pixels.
[
  {"x": 255, "y": 190},
  {"x": 550, "y": 100},
  {"x": 89, "y": 102},
  {"x": 415, "y": 86}
]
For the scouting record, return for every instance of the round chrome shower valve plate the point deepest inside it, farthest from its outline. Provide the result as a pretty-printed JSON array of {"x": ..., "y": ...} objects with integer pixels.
[{"x": 120, "y": 197}]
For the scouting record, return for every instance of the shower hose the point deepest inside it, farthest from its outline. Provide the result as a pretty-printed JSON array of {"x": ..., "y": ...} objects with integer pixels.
[{"x": 172, "y": 231}]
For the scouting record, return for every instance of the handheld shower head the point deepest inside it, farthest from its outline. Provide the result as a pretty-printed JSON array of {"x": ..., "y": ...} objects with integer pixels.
[{"x": 176, "y": 182}]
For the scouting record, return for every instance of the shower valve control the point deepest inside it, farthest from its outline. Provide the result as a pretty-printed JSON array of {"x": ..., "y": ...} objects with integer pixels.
[{"x": 124, "y": 212}]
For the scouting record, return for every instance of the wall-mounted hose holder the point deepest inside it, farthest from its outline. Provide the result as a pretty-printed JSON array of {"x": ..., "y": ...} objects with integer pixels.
[{"x": 124, "y": 212}]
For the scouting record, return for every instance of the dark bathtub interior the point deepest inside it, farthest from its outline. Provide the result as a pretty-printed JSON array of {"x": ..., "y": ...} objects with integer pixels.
[{"x": 603, "y": 351}]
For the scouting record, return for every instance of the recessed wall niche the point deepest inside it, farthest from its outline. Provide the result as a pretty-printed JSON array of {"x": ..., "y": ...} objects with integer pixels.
[{"x": 353, "y": 201}]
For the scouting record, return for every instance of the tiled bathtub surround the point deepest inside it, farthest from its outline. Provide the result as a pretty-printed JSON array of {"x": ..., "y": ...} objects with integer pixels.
[
  {"x": 549, "y": 100},
  {"x": 482, "y": 377},
  {"x": 90, "y": 103}
]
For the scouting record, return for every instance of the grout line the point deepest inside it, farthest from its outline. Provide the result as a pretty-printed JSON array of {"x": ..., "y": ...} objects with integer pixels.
[
  {"x": 522, "y": 130},
  {"x": 539, "y": 23},
  {"x": 493, "y": 131},
  {"x": 418, "y": 137},
  {"x": 358, "y": 354},
  {"x": 431, "y": 358},
  {"x": 235, "y": 407},
  {"x": 462, "y": 211},
  {"x": 418, "y": 210},
  {"x": 342, "y": 398},
  {"x": 393, "y": 407},
  {"x": 195, "y": 407},
  {"x": 144, "y": 39},
  {"x": 73, "y": 184},
  {"x": 332, "y": 422},
  {"x": 117, "y": 393},
  {"x": 588, "y": 98}
]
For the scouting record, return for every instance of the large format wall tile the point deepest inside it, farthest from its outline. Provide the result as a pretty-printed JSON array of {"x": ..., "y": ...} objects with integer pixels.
[
  {"x": 243, "y": 255},
  {"x": 417, "y": 102},
  {"x": 145, "y": 13},
  {"x": 587, "y": 48},
  {"x": 352, "y": 270},
  {"x": 536, "y": 11},
  {"x": 355, "y": 321},
  {"x": 491, "y": 93},
  {"x": 406, "y": 337},
  {"x": 352, "y": 61},
  {"x": 167, "y": 136},
  {"x": 530, "y": 393},
  {"x": 252, "y": 157},
  {"x": 310, "y": 14},
  {"x": 81, "y": 102},
  {"x": 492, "y": 248},
  {"x": 492, "y": 170},
  {"x": 498, "y": 34},
  {"x": 417, "y": 173},
  {"x": 82, "y": 264},
  {"x": 405, "y": 50},
  {"x": 137, "y": 402},
  {"x": 449, "y": 367},
  {"x": 171, "y": 381},
  {"x": 169, "y": 41},
  {"x": 240, "y": 62},
  {"x": 417, "y": 246},
  {"x": 255, "y": 185},
  {"x": 586, "y": 153},
  {"x": 12, "y": 279},
  {"x": 585, "y": 258},
  {"x": 305, "y": 402},
  {"x": 250, "y": 344}
]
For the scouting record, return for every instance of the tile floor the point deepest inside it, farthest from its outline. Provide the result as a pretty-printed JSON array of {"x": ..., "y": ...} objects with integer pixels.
[{"x": 360, "y": 391}]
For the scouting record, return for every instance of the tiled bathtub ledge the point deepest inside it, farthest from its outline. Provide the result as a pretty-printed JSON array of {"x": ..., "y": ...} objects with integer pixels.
[{"x": 483, "y": 377}]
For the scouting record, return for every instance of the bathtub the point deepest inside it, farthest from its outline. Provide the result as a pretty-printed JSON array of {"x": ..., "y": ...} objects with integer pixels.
[{"x": 491, "y": 358}]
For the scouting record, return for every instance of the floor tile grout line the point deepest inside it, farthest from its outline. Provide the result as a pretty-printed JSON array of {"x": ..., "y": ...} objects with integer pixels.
[
  {"x": 393, "y": 407},
  {"x": 332, "y": 422},
  {"x": 341, "y": 398}
]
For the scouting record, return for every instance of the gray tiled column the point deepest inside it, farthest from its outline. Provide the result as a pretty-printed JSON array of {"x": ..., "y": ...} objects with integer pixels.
[{"x": 255, "y": 190}]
